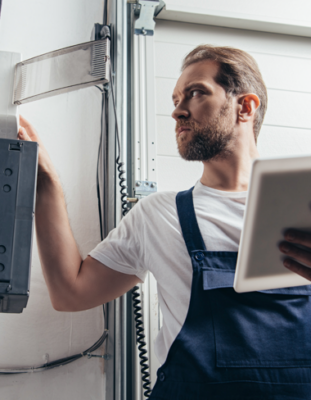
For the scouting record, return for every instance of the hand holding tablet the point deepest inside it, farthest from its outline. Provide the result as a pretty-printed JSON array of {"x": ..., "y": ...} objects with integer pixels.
[
  {"x": 297, "y": 259},
  {"x": 279, "y": 203}
]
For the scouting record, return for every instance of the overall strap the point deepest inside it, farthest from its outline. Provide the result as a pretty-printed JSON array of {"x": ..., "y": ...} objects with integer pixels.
[{"x": 188, "y": 221}]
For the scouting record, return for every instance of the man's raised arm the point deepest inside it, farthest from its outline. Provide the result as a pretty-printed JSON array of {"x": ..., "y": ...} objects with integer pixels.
[{"x": 73, "y": 284}]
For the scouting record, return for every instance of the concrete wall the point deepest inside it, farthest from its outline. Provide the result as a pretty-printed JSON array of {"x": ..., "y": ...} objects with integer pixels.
[{"x": 69, "y": 125}]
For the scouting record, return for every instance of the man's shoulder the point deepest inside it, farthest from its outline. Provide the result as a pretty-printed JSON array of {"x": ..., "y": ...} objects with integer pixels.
[{"x": 159, "y": 200}]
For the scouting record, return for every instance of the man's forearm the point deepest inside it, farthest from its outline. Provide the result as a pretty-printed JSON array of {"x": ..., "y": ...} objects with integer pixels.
[
  {"x": 73, "y": 285},
  {"x": 58, "y": 250}
]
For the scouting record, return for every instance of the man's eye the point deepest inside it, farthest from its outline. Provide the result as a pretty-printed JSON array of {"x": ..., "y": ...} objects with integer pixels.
[{"x": 195, "y": 93}]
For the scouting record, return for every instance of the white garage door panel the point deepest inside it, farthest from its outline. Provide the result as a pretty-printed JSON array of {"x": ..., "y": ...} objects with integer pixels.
[
  {"x": 177, "y": 174},
  {"x": 275, "y": 141},
  {"x": 279, "y": 72},
  {"x": 164, "y": 90},
  {"x": 285, "y": 108},
  {"x": 171, "y": 68},
  {"x": 277, "y": 9},
  {"x": 166, "y": 142},
  {"x": 192, "y": 34},
  {"x": 288, "y": 109},
  {"x": 283, "y": 72}
]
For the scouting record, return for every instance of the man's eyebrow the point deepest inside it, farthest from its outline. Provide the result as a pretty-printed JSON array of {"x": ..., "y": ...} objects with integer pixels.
[
  {"x": 193, "y": 85},
  {"x": 196, "y": 85}
]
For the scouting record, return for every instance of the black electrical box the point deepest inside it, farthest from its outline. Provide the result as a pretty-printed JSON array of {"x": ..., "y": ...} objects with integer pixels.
[{"x": 18, "y": 177}]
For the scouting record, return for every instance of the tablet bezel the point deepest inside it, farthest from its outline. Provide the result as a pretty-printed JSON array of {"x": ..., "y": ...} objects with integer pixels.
[{"x": 241, "y": 283}]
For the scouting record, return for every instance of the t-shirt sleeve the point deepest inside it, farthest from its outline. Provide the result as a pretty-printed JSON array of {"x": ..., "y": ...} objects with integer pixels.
[{"x": 123, "y": 249}]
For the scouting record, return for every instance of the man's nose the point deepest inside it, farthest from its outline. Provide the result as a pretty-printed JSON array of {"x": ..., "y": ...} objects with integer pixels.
[{"x": 180, "y": 112}]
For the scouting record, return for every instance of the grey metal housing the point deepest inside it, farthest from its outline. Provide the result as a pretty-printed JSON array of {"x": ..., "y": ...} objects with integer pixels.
[{"x": 18, "y": 175}]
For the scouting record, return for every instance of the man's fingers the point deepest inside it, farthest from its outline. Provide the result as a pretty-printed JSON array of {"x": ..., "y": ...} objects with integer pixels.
[
  {"x": 299, "y": 237},
  {"x": 22, "y": 134},
  {"x": 295, "y": 252},
  {"x": 299, "y": 269},
  {"x": 30, "y": 130}
]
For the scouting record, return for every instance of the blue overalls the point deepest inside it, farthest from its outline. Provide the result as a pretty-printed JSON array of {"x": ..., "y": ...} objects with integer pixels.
[{"x": 235, "y": 346}]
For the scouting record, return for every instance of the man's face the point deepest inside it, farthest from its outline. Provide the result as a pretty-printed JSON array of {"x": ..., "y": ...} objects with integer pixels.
[{"x": 204, "y": 115}]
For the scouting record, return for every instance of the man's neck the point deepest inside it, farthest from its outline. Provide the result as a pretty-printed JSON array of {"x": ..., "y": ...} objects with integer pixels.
[{"x": 232, "y": 172}]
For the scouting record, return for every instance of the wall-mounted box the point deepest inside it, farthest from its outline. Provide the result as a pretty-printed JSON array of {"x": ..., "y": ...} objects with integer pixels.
[{"x": 18, "y": 174}]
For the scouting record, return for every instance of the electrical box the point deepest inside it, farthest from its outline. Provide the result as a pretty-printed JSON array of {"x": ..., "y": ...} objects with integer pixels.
[{"x": 18, "y": 173}]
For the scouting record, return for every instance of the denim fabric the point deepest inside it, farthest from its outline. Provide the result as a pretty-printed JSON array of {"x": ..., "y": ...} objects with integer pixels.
[{"x": 235, "y": 346}]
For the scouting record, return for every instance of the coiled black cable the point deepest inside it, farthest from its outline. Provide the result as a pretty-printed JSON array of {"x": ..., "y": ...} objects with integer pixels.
[
  {"x": 140, "y": 338},
  {"x": 123, "y": 192},
  {"x": 140, "y": 335},
  {"x": 119, "y": 163}
]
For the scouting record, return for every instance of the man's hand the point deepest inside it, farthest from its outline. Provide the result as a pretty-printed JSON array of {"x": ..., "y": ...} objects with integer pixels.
[
  {"x": 295, "y": 255},
  {"x": 27, "y": 132}
]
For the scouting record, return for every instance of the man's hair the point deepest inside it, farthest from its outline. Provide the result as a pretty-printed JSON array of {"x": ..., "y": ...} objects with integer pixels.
[{"x": 238, "y": 74}]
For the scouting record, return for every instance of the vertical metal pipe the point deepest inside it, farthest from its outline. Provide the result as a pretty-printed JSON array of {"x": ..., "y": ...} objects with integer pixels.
[
  {"x": 119, "y": 87},
  {"x": 120, "y": 371},
  {"x": 130, "y": 334},
  {"x": 124, "y": 159},
  {"x": 136, "y": 89},
  {"x": 109, "y": 210},
  {"x": 142, "y": 108}
]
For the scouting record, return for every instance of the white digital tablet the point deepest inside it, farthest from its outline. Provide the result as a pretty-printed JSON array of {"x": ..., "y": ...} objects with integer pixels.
[{"x": 279, "y": 197}]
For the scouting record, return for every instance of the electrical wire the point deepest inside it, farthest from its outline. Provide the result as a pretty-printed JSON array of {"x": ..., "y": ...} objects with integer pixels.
[
  {"x": 140, "y": 333},
  {"x": 141, "y": 344},
  {"x": 102, "y": 90},
  {"x": 119, "y": 163},
  {"x": 62, "y": 361},
  {"x": 97, "y": 168}
]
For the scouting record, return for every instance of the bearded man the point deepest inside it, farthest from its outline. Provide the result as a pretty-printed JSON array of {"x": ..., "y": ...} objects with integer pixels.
[{"x": 214, "y": 342}]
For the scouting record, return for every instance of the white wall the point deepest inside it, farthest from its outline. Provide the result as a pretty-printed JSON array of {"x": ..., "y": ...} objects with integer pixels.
[
  {"x": 285, "y": 63},
  {"x": 69, "y": 125}
]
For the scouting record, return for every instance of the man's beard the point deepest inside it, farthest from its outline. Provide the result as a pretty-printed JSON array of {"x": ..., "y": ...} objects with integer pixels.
[{"x": 207, "y": 142}]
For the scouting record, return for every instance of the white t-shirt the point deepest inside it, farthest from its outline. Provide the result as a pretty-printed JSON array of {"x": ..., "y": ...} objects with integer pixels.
[{"x": 150, "y": 238}]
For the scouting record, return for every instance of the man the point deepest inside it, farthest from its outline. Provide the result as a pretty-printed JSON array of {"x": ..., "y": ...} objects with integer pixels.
[{"x": 214, "y": 343}]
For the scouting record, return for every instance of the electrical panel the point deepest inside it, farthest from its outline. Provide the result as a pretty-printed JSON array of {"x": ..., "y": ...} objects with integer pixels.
[{"x": 18, "y": 172}]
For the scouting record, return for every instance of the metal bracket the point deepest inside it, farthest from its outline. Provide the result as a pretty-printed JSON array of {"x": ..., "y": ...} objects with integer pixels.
[
  {"x": 100, "y": 32},
  {"x": 145, "y": 24},
  {"x": 144, "y": 188}
]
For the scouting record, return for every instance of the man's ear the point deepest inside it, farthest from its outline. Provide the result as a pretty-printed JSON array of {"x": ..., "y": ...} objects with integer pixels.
[{"x": 248, "y": 104}]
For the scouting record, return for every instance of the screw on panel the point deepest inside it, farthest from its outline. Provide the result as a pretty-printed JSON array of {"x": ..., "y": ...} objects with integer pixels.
[
  {"x": 138, "y": 183},
  {"x": 8, "y": 172},
  {"x": 143, "y": 31},
  {"x": 9, "y": 288},
  {"x": 6, "y": 188}
]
